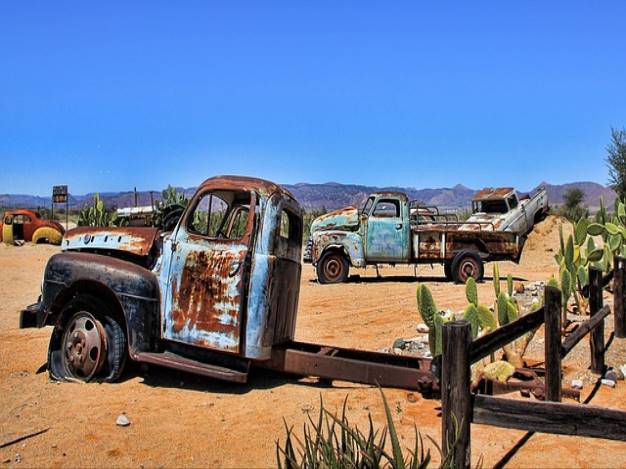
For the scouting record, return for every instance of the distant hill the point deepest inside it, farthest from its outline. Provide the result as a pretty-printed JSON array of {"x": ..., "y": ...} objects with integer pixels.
[{"x": 330, "y": 195}]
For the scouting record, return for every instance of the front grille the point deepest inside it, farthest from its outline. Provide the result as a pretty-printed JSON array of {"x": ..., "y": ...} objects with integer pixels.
[{"x": 307, "y": 257}]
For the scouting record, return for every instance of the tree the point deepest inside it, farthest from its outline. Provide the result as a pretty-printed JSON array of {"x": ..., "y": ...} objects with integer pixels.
[
  {"x": 573, "y": 208},
  {"x": 616, "y": 159}
]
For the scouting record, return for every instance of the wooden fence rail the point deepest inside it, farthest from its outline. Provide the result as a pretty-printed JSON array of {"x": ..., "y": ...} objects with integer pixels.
[{"x": 460, "y": 407}]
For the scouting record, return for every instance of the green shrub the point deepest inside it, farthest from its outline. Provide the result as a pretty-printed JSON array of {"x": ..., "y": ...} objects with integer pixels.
[{"x": 333, "y": 442}]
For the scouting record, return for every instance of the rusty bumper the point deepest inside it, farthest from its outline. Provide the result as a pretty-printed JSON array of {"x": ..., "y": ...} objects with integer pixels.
[{"x": 33, "y": 316}]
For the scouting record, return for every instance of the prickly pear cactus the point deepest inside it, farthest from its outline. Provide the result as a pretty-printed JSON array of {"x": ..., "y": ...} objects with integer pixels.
[
  {"x": 471, "y": 315},
  {"x": 499, "y": 371},
  {"x": 471, "y": 292},
  {"x": 426, "y": 305},
  {"x": 496, "y": 278}
]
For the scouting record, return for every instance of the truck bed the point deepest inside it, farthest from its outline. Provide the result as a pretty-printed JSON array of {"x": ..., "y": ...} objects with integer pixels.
[{"x": 440, "y": 242}]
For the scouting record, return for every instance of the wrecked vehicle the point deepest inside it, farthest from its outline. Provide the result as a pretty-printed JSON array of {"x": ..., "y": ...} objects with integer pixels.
[
  {"x": 507, "y": 211},
  {"x": 390, "y": 229},
  {"x": 27, "y": 225},
  {"x": 215, "y": 296}
]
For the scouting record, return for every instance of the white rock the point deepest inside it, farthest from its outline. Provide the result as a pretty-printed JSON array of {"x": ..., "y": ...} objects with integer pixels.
[
  {"x": 608, "y": 382},
  {"x": 122, "y": 421},
  {"x": 623, "y": 369},
  {"x": 422, "y": 328},
  {"x": 577, "y": 383}
]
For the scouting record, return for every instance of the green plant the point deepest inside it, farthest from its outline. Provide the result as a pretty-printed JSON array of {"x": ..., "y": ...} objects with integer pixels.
[
  {"x": 613, "y": 233},
  {"x": 97, "y": 214},
  {"x": 479, "y": 316},
  {"x": 169, "y": 209},
  {"x": 616, "y": 159},
  {"x": 333, "y": 442},
  {"x": 573, "y": 207},
  {"x": 432, "y": 317}
]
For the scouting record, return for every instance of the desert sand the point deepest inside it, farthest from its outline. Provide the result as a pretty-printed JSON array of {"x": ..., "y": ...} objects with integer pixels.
[{"x": 182, "y": 420}]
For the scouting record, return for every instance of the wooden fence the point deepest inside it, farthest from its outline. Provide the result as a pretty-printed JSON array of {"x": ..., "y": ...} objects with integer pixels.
[{"x": 460, "y": 407}]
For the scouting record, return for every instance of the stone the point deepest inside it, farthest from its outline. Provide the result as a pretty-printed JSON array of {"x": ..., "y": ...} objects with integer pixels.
[
  {"x": 614, "y": 375},
  {"x": 411, "y": 397},
  {"x": 608, "y": 382},
  {"x": 399, "y": 343},
  {"x": 122, "y": 421},
  {"x": 422, "y": 328},
  {"x": 577, "y": 383},
  {"x": 623, "y": 369},
  {"x": 519, "y": 288}
]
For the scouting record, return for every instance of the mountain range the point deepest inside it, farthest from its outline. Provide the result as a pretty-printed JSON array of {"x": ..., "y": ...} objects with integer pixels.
[{"x": 330, "y": 195}]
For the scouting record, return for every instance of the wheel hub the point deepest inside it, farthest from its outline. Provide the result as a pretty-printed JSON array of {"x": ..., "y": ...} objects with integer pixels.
[
  {"x": 84, "y": 346},
  {"x": 333, "y": 268}
]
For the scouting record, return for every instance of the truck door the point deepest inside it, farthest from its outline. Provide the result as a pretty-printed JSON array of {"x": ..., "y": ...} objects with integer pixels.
[
  {"x": 387, "y": 232},
  {"x": 207, "y": 270}
]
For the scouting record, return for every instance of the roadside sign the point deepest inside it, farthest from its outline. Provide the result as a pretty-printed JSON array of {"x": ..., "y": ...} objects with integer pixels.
[{"x": 59, "y": 194}]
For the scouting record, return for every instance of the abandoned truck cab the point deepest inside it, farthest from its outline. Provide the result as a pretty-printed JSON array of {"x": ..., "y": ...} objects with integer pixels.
[{"x": 210, "y": 297}]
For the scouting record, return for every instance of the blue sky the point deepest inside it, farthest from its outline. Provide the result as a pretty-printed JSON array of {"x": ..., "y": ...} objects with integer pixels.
[{"x": 120, "y": 94}]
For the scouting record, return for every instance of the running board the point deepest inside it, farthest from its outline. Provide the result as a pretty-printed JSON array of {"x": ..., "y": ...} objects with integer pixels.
[{"x": 178, "y": 362}]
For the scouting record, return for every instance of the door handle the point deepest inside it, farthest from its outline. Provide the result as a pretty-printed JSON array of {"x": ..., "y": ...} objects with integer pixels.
[{"x": 398, "y": 226}]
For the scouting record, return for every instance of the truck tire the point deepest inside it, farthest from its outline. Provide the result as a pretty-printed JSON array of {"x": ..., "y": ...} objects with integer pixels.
[
  {"x": 88, "y": 344},
  {"x": 467, "y": 264},
  {"x": 333, "y": 267}
]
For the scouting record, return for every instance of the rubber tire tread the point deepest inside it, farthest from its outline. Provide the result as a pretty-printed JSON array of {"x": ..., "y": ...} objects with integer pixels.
[
  {"x": 459, "y": 258},
  {"x": 320, "y": 271},
  {"x": 117, "y": 354}
]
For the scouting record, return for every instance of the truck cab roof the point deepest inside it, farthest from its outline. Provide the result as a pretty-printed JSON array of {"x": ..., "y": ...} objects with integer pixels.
[{"x": 491, "y": 193}]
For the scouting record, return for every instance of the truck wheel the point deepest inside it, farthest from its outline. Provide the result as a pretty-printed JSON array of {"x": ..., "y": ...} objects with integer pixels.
[
  {"x": 89, "y": 345},
  {"x": 467, "y": 264},
  {"x": 333, "y": 267},
  {"x": 447, "y": 269}
]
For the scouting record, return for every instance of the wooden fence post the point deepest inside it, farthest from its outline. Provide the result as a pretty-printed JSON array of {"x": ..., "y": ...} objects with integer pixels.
[
  {"x": 552, "y": 317},
  {"x": 619, "y": 296},
  {"x": 596, "y": 338},
  {"x": 456, "y": 399}
]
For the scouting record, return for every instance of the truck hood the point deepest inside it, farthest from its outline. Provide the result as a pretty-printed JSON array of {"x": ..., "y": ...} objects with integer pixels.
[
  {"x": 137, "y": 241},
  {"x": 343, "y": 219}
]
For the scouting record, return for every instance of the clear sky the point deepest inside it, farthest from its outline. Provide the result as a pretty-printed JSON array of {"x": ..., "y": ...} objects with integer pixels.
[{"x": 114, "y": 95}]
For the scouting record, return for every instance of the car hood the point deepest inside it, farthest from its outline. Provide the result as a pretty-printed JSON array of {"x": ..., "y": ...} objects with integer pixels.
[
  {"x": 137, "y": 241},
  {"x": 343, "y": 219}
]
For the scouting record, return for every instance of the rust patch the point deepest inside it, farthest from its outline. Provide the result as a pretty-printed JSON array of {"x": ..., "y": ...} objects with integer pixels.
[
  {"x": 208, "y": 298},
  {"x": 491, "y": 193}
]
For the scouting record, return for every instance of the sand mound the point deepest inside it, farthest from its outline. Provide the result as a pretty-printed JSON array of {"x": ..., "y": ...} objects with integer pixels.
[{"x": 543, "y": 241}]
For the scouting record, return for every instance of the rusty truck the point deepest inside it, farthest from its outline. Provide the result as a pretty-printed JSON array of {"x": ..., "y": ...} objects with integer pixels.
[
  {"x": 507, "y": 211},
  {"x": 216, "y": 296},
  {"x": 391, "y": 229}
]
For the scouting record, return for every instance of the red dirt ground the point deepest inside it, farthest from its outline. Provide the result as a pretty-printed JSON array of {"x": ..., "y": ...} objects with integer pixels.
[{"x": 181, "y": 420}]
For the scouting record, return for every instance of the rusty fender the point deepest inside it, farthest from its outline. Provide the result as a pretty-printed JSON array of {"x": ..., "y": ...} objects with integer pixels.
[
  {"x": 131, "y": 288},
  {"x": 349, "y": 242}
]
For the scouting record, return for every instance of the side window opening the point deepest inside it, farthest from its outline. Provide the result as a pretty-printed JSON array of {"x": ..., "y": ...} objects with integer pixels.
[
  {"x": 387, "y": 208},
  {"x": 289, "y": 239},
  {"x": 220, "y": 215},
  {"x": 512, "y": 202},
  {"x": 238, "y": 223},
  {"x": 368, "y": 205}
]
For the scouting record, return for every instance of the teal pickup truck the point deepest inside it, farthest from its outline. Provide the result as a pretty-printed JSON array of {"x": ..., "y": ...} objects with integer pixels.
[{"x": 390, "y": 229}]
